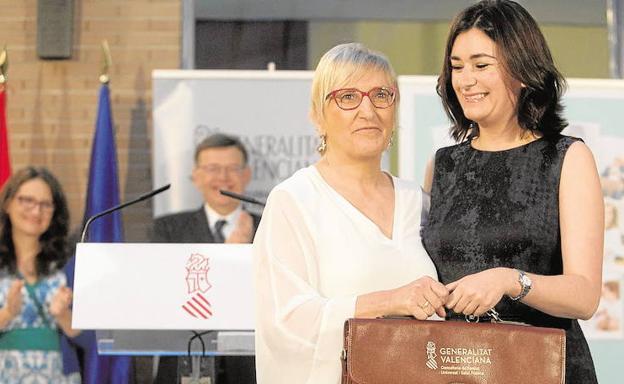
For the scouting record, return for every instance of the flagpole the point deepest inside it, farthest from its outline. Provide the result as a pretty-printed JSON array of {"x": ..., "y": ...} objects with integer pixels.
[
  {"x": 107, "y": 62},
  {"x": 5, "y": 161},
  {"x": 4, "y": 66}
]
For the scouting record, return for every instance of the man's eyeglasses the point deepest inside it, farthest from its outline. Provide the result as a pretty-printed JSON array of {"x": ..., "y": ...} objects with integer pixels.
[
  {"x": 29, "y": 203},
  {"x": 215, "y": 169},
  {"x": 351, "y": 98}
]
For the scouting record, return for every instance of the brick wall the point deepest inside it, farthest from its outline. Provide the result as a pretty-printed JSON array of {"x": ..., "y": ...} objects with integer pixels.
[{"x": 52, "y": 103}]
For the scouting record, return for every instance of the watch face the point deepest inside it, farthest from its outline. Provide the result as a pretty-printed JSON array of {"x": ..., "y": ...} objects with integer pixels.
[{"x": 526, "y": 281}]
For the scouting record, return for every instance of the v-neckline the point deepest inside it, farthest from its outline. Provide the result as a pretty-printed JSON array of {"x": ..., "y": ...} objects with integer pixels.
[{"x": 348, "y": 205}]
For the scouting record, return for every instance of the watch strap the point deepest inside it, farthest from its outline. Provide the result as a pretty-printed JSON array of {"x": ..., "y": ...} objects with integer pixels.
[{"x": 525, "y": 287}]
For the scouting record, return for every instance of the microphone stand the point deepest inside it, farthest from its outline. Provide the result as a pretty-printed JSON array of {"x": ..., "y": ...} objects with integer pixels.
[
  {"x": 120, "y": 206},
  {"x": 244, "y": 198}
]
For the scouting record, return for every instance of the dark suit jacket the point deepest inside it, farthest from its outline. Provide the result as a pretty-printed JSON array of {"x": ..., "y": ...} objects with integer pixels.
[{"x": 187, "y": 227}]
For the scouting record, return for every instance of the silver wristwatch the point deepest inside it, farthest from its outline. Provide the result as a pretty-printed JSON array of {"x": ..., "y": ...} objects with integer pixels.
[{"x": 525, "y": 283}]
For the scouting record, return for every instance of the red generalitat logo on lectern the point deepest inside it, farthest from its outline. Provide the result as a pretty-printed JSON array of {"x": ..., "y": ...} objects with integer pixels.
[{"x": 197, "y": 305}]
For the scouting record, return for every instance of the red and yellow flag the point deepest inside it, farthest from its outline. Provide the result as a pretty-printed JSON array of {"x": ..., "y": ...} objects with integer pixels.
[{"x": 5, "y": 162}]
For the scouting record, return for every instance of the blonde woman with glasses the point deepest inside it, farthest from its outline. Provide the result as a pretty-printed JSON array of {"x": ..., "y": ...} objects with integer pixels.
[{"x": 339, "y": 239}]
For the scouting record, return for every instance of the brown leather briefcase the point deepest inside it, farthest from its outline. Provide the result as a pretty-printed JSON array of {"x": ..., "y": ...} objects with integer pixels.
[{"x": 409, "y": 351}]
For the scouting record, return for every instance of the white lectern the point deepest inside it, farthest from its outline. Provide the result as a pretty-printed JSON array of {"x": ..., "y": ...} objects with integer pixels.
[{"x": 152, "y": 299}]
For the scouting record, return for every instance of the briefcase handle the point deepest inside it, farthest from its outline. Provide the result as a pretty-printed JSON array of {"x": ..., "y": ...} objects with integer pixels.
[{"x": 494, "y": 318}]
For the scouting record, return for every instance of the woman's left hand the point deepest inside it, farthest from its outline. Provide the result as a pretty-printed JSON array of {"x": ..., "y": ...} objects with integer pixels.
[
  {"x": 61, "y": 301},
  {"x": 477, "y": 293}
]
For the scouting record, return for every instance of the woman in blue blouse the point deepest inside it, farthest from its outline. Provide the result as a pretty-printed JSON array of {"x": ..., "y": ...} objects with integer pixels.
[{"x": 34, "y": 300}]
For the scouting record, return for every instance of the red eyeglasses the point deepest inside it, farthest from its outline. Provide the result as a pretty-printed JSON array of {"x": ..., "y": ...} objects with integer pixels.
[{"x": 351, "y": 98}]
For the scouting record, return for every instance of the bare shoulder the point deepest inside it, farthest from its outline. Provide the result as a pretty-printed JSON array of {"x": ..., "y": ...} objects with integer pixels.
[
  {"x": 578, "y": 159},
  {"x": 580, "y": 150},
  {"x": 579, "y": 174}
]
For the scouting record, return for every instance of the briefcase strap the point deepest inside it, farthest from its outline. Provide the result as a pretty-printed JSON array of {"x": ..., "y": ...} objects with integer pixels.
[{"x": 343, "y": 355}]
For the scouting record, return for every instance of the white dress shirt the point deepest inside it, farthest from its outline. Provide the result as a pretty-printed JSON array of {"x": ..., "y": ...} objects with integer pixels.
[{"x": 230, "y": 220}]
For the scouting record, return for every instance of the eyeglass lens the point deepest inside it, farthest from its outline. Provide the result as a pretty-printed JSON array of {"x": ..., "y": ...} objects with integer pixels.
[
  {"x": 215, "y": 169},
  {"x": 29, "y": 203},
  {"x": 352, "y": 98}
]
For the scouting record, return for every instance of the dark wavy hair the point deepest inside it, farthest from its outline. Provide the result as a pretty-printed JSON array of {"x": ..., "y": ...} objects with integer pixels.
[
  {"x": 525, "y": 56},
  {"x": 53, "y": 242}
]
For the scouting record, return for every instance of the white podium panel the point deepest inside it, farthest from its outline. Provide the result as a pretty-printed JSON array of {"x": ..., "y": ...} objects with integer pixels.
[{"x": 163, "y": 286}]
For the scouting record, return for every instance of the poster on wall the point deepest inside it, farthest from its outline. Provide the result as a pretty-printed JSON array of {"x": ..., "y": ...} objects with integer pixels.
[
  {"x": 268, "y": 110},
  {"x": 593, "y": 109},
  {"x": 607, "y": 321}
]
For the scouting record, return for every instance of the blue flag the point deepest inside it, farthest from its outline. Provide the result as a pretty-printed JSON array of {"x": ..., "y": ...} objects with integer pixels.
[
  {"x": 103, "y": 187},
  {"x": 102, "y": 194}
]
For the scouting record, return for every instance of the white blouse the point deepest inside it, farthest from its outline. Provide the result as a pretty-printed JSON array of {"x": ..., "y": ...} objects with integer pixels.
[{"x": 314, "y": 253}]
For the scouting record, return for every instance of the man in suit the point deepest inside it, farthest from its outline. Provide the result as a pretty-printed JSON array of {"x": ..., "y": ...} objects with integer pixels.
[{"x": 220, "y": 163}]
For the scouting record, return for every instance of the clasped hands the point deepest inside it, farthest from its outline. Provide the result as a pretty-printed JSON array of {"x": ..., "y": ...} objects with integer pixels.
[
  {"x": 59, "y": 305},
  {"x": 243, "y": 231},
  {"x": 471, "y": 295}
]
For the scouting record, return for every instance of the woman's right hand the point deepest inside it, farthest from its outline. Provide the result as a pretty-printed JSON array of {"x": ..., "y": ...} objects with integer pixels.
[
  {"x": 421, "y": 298},
  {"x": 13, "y": 305},
  {"x": 61, "y": 302}
]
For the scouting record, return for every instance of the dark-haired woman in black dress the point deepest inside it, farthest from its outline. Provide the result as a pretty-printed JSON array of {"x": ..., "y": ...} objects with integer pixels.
[{"x": 516, "y": 208}]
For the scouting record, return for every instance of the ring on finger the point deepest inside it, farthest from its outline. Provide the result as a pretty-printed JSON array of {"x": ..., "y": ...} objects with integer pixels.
[{"x": 424, "y": 305}]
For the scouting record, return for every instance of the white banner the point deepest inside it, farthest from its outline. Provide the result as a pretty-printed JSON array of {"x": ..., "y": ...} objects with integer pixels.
[{"x": 268, "y": 110}]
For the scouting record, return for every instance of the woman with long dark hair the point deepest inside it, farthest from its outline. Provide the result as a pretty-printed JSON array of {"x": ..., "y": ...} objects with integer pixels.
[
  {"x": 34, "y": 299},
  {"x": 516, "y": 217}
]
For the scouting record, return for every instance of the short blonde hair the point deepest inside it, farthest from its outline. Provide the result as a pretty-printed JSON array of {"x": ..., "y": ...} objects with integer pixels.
[{"x": 341, "y": 64}]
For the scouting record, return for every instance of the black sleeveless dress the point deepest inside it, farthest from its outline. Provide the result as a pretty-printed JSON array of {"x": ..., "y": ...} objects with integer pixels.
[{"x": 500, "y": 209}]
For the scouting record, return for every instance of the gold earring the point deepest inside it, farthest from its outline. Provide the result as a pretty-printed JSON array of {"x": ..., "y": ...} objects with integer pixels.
[{"x": 322, "y": 147}]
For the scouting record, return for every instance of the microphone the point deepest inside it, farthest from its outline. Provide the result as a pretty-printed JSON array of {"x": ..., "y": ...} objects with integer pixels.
[
  {"x": 120, "y": 206},
  {"x": 246, "y": 199}
]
